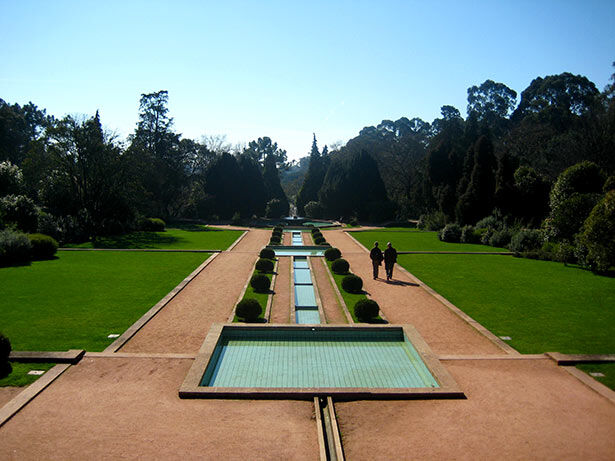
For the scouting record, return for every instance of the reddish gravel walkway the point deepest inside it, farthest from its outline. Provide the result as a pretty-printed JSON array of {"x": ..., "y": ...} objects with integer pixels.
[
  {"x": 516, "y": 409},
  {"x": 331, "y": 306},
  {"x": 404, "y": 302},
  {"x": 181, "y": 326},
  {"x": 280, "y": 307},
  {"x": 114, "y": 408}
]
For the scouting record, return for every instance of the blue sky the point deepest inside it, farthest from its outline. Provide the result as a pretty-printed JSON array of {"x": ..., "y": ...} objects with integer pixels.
[{"x": 286, "y": 69}]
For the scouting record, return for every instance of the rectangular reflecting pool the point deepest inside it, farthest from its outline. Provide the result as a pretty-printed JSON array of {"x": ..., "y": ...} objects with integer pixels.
[
  {"x": 299, "y": 251},
  {"x": 284, "y": 361}
]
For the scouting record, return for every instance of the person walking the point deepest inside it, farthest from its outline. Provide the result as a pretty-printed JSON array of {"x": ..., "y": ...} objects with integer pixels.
[
  {"x": 390, "y": 258},
  {"x": 375, "y": 255}
]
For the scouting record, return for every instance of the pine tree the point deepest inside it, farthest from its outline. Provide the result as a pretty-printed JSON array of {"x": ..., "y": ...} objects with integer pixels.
[
  {"x": 272, "y": 184},
  {"x": 314, "y": 178}
]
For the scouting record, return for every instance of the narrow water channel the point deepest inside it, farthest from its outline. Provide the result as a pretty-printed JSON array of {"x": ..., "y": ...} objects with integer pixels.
[{"x": 306, "y": 307}]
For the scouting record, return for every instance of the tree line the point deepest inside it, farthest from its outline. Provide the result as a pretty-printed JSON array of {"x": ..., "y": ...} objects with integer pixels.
[{"x": 70, "y": 179}]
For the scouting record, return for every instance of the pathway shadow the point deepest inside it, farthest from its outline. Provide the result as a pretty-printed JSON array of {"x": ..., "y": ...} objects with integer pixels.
[{"x": 402, "y": 283}]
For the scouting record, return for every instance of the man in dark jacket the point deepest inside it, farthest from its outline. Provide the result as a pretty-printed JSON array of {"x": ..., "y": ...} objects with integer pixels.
[
  {"x": 390, "y": 258},
  {"x": 376, "y": 256}
]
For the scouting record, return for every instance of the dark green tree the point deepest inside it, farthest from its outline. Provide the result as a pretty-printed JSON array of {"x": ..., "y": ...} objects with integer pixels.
[
  {"x": 314, "y": 178},
  {"x": 273, "y": 188},
  {"x": 223, "y": 193},
  {"x": 252, "y": 187},
  {"x": 478, "y": 199},
  {"x": 263, "y": 148}
]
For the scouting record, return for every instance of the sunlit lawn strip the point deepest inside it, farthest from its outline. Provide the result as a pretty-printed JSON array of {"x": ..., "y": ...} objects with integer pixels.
[
  {"x": 349, "y": 298},
  {"x": 413, "y": 240},
  {"x": 543, "y": 306},
  {"x": 20, "y": 377},
  {"x": 77, "y": 300},
  {"x": 607, "y": 369},
  {"x": 198, "y": 238},
  {"x": 260, "y": 297}
]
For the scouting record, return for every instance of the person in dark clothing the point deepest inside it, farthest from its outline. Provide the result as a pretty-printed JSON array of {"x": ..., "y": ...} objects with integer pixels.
[
  {"x": 390, "y": 258},
  {"x": 376, "y": 256}
]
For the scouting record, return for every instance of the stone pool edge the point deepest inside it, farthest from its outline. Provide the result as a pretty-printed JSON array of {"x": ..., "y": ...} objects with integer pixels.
[{"x": 191, "y": 388}]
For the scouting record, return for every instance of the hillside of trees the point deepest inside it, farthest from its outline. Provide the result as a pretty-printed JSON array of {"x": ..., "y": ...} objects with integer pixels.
[{"x": 70, "y": 179}]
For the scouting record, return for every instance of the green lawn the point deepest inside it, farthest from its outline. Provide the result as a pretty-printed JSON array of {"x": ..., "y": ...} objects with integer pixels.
[
  {"x": 260, "y": 297},
  {"x": 192, "y": 238},
  {"x": 543, "y": 306},
  {"x": 349, "y": 298},
  {"x": 75, "y": 301},
  {"x": 20, "y": 377},
  {"x": 415, "y": 240},
  {"x": 607, "y": 369}
]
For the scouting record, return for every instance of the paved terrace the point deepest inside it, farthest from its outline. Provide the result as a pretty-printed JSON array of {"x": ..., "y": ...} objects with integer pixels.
[{"x": 125, "y": 404}]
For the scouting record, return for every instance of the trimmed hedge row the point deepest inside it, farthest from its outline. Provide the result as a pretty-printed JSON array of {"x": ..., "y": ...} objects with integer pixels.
[{"x": 248, "y": 309}]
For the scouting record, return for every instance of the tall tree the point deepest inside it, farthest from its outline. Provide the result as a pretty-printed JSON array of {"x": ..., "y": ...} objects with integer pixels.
[
  {"x": 477, "y": 201},
  {"x": 264, "y": 147},
  {"x": 274, "y": 190},
  {"x": 313, "y": 179},
  {"x": 156, "y": 157}
]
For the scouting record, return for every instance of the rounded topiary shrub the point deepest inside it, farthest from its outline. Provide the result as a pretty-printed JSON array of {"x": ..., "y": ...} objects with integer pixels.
[
  {"x": 267, "y": 253},
  {"x": 277, "y": 232},
  {"x": 248, "y": 309},
  {"x": 277, "y": 229},
  {"x": 152, "y": 224},
  {"x": 275, "y": 241},
  {"x": 319, "y": 240},
  {"x": 260, "y": 283},
  {"x": 264, "y": 265},
  {"x": 352, "y": 284},
  {"x": 366, "y": 309},
  {"x": 451, "y": 233},
  {"x": 340, "y": 266},
  {"x": 331, "y": 254},
  {"x": 43, "y": 246},
  {"x": 5, "y": 350}
]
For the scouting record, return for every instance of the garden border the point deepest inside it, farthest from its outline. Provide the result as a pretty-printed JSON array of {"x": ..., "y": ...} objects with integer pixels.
[{"x": 135, "y": 327}]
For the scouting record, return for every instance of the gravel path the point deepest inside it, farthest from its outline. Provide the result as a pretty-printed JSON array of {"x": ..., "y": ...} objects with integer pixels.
[
  {"x": 402, "y": 301},
  {"x": 181, "y": 326}
]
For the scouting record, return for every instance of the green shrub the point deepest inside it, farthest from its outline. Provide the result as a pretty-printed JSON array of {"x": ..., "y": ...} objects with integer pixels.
[
  {"x": 500, "y": 238},
  {"x": 5, "y": 350},
  {"x": 260, "y": 283},
  {"x": 340, "y": 266},
  {"x": 582, "y": 178},
  {"x": 433, "y": 221},
  {"x": 267, "y": 253},
  {"x": 11, "y": 179},
  {"x": 15, "y": 247},
  {"x": 20, "y": 211},
  {"x": 320, "y": 241},
  {"x": 331, "y": 254},
  {"x": 278, "y": 229},
  {"x": 248, "y": 309},
  {"x": 366, "y": 309},
  {"x": 275, "y": 241},
  {"x": 313, "y": 210},
  {"x": 352, "y": 283},
  {"x": 609, "y": 184},
  {"x": 485, "y": 235},
  {"x": 568, "y": 218},
  {"x": 598, "y": 234},
  {"x": 264, "y": 265},
  {"x": 43, "y": 246},
  {"x": 565, "y": 253},
  {"x": 468, "y": 236},
  {"x": 490, "y": 222},
  {"x": 236, "y": 219},
  {"x": 526, "y": 240},
  {"x": 450, "y": 233},
  {"x": 152, "y": 224}
]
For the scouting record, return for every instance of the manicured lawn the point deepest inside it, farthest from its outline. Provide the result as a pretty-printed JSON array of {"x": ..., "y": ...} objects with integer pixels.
[
  {"x": 262, "y": 298},
  {"x": 415, "y": 240},
  {"x": 20, "y": 377},
  {"x": 607, "y": 369},
  {"x": 349, "y": 298},
  {"x": 194, "y": 238},
  {"x": 75, "y": 301},
  {"x": 543, "y": 306}
]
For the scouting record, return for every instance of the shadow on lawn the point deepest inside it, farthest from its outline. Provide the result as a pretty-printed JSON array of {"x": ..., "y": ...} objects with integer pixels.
[
  {"x": 136, "y": 240},
  {"x": 192, "y": 227}
]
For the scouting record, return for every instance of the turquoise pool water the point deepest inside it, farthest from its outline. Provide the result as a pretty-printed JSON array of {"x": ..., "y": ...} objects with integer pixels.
[
  {"x": 313, "y": 357},
  {"x": 299, "y": 251}
]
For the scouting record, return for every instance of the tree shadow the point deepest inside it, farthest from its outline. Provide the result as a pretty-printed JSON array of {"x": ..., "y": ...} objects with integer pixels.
[
  {"x": 15, "y": 263},
  {"x": 193, "y": 227},
  {"x": 136, "y": 240},
  {"x": 378, "y": 321}
]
